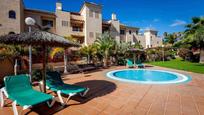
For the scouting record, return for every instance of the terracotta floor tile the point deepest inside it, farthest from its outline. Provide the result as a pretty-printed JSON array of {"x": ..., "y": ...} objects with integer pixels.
[{"x": 111, "y": 97}]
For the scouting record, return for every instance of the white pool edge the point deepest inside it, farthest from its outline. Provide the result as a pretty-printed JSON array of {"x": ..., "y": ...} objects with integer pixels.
[{"x": 181, "y": 78}]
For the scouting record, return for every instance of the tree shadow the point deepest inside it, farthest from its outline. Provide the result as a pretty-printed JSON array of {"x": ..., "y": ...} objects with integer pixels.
[
  {"x": 97, "y": 88},
  {"x": 201, "y": 65}
]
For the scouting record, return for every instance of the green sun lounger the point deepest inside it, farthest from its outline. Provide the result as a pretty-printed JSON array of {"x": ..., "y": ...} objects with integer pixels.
[
  {"x": 54, "y": 82},
  {"x": 130, "y": 63},
  {"x": 20, "y": 91},
  {"x": 139, "y": 64}
]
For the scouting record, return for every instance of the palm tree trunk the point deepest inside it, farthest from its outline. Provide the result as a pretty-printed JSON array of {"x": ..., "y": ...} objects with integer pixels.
[
  {"x": 105, "y": 59},
  {"x": 202, "y": 55},
  {"x": 116, "y": 60},
  {"x": 88, "y": 59}
]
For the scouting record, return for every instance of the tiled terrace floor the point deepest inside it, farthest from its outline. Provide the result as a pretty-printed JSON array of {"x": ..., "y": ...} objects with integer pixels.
[{"x": 110, "y": 97}]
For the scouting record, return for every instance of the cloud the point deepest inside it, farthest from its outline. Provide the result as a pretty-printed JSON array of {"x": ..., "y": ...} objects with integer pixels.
[
  {"x": 178, "y": 23},
  {"x": 156, "y": 20}
]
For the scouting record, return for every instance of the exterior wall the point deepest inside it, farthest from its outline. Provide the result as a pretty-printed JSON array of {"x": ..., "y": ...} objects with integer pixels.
[
  {"x": 152, "y": 40},
  {"x": 115, "y": 28},
  {"x": 7, "y": 24},
  {"x": 147, "y": 38},
  {"x": 92, "y": 25},
  {"x": 63, "y": 16},
  {"x": 131, "y": 37},
  {"x": 141, "y": 40},
  {"x": 38, "y": 16},
  {"x": 122, "y": 38}
]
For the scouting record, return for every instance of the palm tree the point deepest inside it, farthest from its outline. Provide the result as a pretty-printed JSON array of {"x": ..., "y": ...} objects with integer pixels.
[
  {"x": 119, "y": 49},
  {"x": 194, "y": 34},
  {"x": 170, "y": 38},
  {"x": 89, "y": 51},
  {"x": 105, "y": 44},
  {"x": 199, "y": 39}
]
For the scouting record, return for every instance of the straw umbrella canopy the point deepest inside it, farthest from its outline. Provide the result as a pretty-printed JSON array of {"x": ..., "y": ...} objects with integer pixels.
[
  {"x": 38, "y": 38},
  {"x": 134, "y": 51}
]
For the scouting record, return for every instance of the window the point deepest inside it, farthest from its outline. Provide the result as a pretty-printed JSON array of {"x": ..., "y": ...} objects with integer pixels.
[
  {"x": 47, "y": 23},
  {"x": 122, "y": 32},
  {"x": 151, "y": 46},
  {"x": 139, "y": 41},
  {"x": 12, "y": 14},
  {"x": 130, "y": 32},
  {"x": 11, "y": 32},
  {"x": 90, "y": 13},
  {"x": 91, "y": 35},
  {"x": 64, "y": 23},
  {"x": 97, "y": 35},
  {"x": 136, "y": 31},
  {"x": 76, "y": 29},
  {"x": 97, "y": 14}
]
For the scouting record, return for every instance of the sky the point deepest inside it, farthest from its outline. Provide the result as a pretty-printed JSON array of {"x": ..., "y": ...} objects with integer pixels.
[{"x": 163, "y": 15}]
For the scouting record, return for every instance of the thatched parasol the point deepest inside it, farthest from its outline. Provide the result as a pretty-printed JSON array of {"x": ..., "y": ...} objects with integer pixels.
[
  {"x": 38, "y": 38},
  {"x": 134, "y": 51}
]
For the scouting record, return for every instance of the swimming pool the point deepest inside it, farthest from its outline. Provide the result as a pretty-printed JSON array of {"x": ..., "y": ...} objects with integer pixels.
[{"x": 147, "y": 76}]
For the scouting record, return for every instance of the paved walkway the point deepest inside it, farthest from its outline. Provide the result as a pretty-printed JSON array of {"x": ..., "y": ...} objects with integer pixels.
[{"x": 110, "y": 97}]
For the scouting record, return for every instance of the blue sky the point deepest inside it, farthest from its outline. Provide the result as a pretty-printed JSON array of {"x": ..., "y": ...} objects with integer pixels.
[{"x": 162, "y": 15}]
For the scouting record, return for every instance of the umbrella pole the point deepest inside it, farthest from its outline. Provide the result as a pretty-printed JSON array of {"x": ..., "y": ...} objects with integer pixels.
[
  {"x": 65, "y": 61},
  {"x": 134, "y": 58},
  {"x": 44, "y": 68}
]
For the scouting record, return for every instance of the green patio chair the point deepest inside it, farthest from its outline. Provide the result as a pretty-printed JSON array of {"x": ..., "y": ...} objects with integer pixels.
[
  {"x": 139, "y": 64},
  {"x": 129, "y": 63},
  {"x": 20, "y": 91},
  {"x": 54, "y": 82}
]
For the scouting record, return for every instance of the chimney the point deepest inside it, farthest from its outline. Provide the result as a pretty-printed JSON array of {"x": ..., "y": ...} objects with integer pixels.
[
  {"x": 58, "y": 5},
  {"x": 114, "y": 16}
]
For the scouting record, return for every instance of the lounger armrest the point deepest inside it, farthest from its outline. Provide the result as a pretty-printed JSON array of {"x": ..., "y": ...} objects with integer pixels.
[
  {"x": 35, "y": 83},
  {"x": 38, "y": 83}
]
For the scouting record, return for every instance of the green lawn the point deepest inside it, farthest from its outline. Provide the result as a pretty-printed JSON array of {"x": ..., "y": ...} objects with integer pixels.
[{"x": 181, "y": 65}]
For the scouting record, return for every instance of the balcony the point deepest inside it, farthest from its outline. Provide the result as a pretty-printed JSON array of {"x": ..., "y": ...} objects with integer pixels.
[{"x": 77, "y": 33}]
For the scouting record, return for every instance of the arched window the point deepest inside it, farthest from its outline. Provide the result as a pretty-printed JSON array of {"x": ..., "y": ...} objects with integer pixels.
[{"x": 12, "y": 14}]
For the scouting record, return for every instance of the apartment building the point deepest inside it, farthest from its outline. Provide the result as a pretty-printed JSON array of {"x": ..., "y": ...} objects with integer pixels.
[{"x": 85, "y": 26}]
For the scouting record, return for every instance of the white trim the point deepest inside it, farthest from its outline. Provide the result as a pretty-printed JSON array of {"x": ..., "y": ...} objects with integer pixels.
[
  {"x": 181, "y": 78},
  {"x": 52, "y": 103},
  {"x": 26, "y": 107},
  {"x": 84, "y": 93},
  {"x": 15, "y": 111},
  {"x": 60, "y": 97},
  {"x": 2, "y": 93},
  {"x": 70, "y": 95},
  {"x": 1, "y": 98}
]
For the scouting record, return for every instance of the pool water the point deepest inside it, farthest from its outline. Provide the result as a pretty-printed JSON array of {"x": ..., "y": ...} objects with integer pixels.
[{"x": 148, "y": 76}]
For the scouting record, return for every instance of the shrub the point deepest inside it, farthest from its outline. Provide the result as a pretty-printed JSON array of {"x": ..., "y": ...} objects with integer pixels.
[
  {"x": 121, "y": 61},
  {"x": 156, "y": 54},
  {"x": 37, "y": 75},
  {"x": 185, "y": 54}
]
